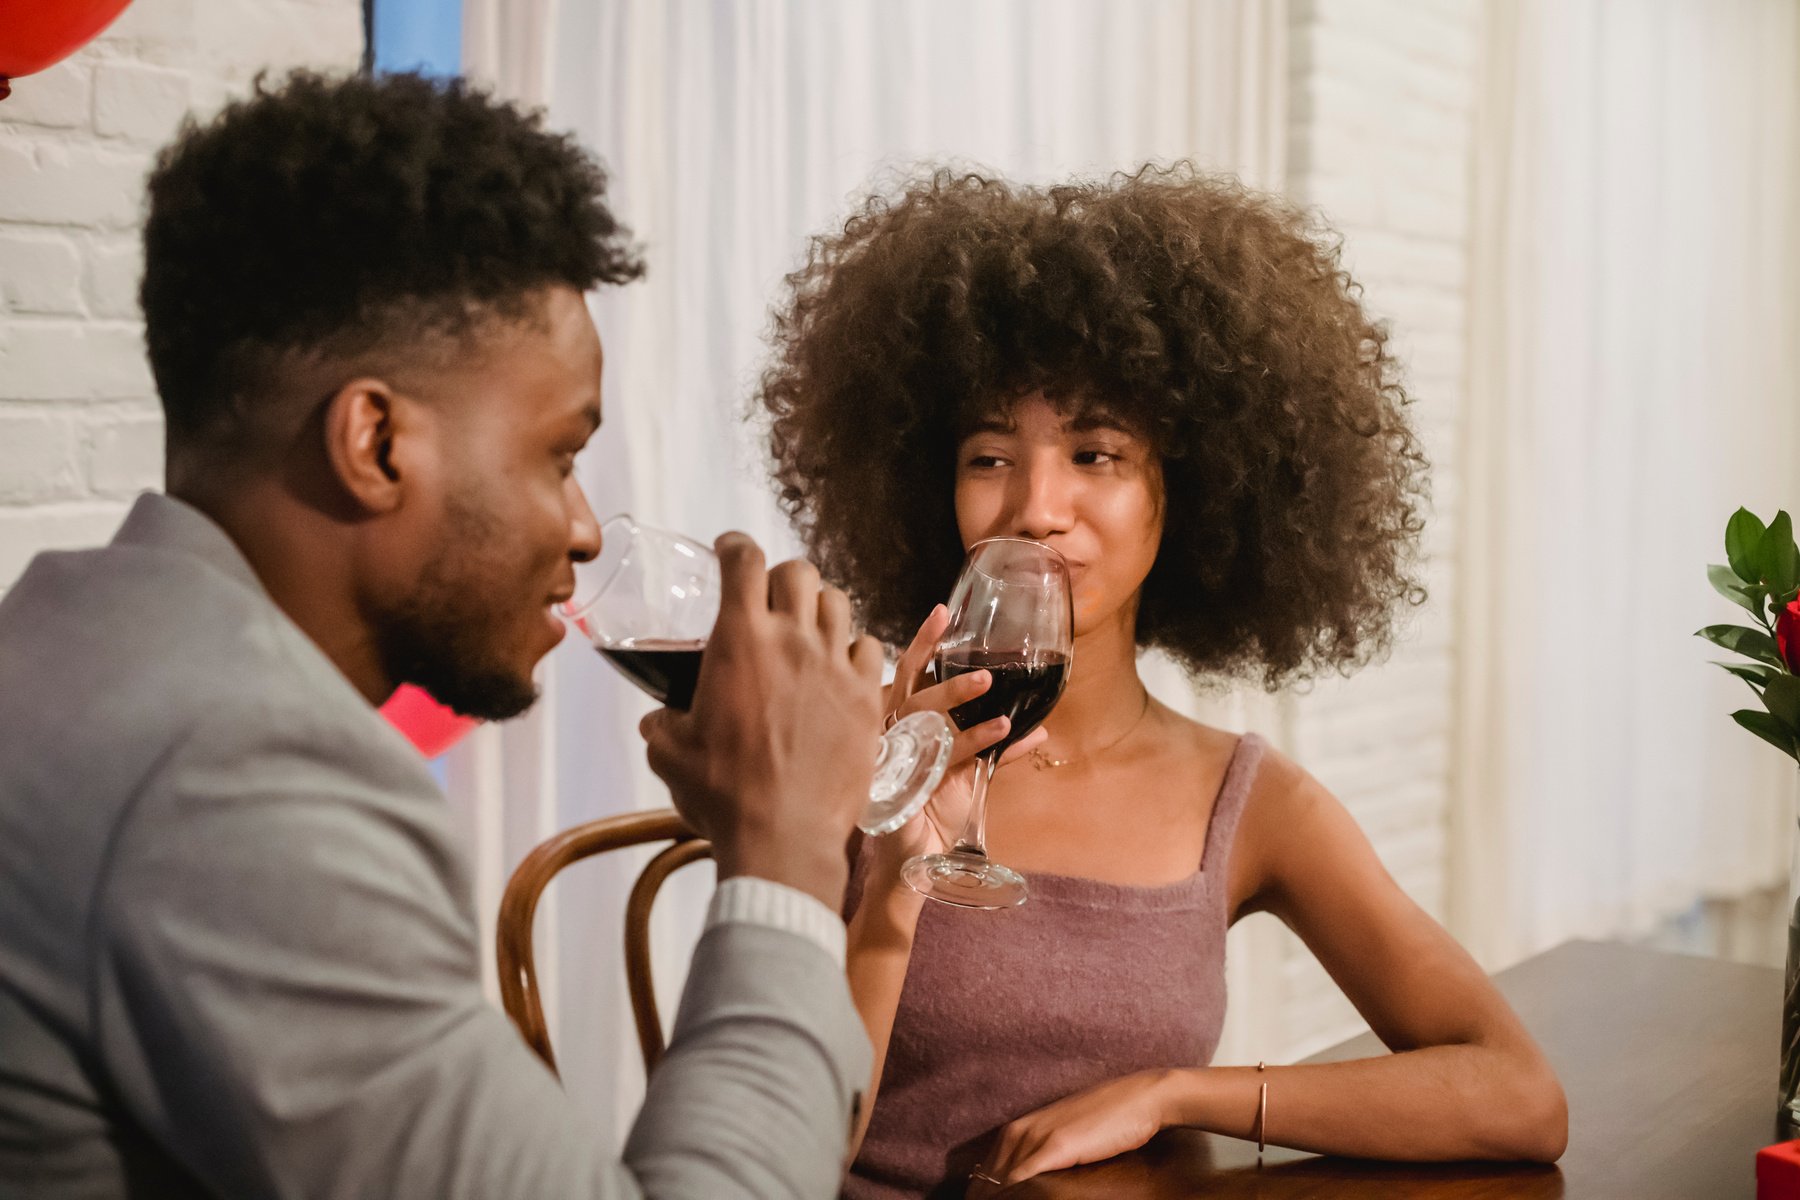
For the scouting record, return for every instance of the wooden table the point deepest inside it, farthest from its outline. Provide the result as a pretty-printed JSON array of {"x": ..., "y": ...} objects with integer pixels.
[{"x": 1669, "y": 1063}]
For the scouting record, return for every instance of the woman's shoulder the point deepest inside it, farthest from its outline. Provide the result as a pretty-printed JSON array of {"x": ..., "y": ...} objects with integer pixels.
[
  {"x": 1281, "y": 791},
  {"x": 1197, "y": 749},
  {"x": 1211, "y": 751},
  {"x": 1189, "y": 738},
  {"x": 1284, "y": 798}
]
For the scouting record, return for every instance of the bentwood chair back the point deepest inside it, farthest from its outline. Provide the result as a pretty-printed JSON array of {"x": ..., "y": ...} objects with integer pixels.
[{"x": 518, "y": 969}]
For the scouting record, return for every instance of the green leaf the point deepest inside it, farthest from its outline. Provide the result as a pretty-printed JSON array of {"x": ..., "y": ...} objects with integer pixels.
[
  {"x": 1751, "y": 643},
  {"x": 1767, "y": 728},
  {"x": 1743, "y": 540},
  {"x": 1778, "y": 557},
  {"x": 1727, "y": 584},
  {"x": 1782, "y": 698},
  {"x": 1754, "y": 674}
]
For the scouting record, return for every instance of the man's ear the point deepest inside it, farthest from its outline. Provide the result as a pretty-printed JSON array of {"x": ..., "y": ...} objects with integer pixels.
[{"x": 362, "y": 420}]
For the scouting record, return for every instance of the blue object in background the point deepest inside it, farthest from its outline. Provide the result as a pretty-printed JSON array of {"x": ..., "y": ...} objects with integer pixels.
[{"x": 415, "y": 35}]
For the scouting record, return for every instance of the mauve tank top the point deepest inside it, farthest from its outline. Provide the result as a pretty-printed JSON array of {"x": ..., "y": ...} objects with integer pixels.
[{"x": 1004, "y": 1012}]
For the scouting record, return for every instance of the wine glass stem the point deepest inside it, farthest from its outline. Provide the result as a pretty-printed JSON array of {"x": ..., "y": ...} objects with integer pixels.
[{"x": 973, "y": 839}]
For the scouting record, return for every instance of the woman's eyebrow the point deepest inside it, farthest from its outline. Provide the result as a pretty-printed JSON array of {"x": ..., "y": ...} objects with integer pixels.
[{"x": 994, "y": 424}]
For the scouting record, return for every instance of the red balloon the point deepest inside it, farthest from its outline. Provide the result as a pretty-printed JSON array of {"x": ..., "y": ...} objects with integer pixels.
[
  {"x": 35, "y": 34},
  {"x": 427, "y": 724}
]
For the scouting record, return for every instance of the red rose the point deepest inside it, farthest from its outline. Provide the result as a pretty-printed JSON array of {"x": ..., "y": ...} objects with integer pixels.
[{"x": 1787, "y": 635}]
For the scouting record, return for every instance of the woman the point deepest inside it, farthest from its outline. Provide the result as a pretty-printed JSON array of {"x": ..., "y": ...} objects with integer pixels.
[{"x": 1172, "y": 381}]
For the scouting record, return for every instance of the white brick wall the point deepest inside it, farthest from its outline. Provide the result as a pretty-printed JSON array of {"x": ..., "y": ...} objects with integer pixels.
[
  {"x": 80, "y": 431},
  {"x": 1381, "y": 98}
]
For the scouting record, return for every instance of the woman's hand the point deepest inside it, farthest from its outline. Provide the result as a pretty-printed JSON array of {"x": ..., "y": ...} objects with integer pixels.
[
  {"x": 1119, "y": 1115},
  {"x": 937, "y": 825}
]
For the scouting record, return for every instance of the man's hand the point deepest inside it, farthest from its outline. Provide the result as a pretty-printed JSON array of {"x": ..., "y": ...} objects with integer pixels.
[{"x": 773, "y": 762}]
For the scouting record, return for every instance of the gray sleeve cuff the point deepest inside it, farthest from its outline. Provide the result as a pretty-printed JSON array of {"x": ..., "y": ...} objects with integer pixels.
[{"x": 753, "y": 901}]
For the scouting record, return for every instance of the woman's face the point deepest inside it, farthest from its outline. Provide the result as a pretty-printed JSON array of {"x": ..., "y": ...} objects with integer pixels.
[{"x": 1078, "y": 483}]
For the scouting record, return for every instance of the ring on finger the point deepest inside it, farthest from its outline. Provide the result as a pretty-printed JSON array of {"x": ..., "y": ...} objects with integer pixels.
[
  {"x": 985, "y": 1178},
  {"x": 889, "y": 721}
]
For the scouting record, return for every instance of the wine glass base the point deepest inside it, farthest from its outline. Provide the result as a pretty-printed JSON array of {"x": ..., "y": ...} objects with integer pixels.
[
  {"x": 914, "y": 755},
  {"x": 965, "y": 880}
]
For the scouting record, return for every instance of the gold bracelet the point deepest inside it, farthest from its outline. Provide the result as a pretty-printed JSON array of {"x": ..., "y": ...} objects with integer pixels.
[{"x": 1262, "y": 1113}]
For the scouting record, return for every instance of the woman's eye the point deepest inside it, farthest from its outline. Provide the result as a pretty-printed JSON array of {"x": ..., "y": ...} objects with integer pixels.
[
  {"x": 1093, "y": 458},
  {"x": 985, "y": 460}
]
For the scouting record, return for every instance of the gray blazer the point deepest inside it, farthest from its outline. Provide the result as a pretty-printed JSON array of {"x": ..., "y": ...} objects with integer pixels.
[{"x": 238, "y": 951}]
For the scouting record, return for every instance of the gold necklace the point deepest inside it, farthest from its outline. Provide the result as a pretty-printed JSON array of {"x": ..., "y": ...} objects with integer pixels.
[{"x": 1044, "y": 762}]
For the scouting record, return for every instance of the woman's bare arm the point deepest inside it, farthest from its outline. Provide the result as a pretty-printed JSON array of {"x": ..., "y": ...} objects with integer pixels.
[{"x": 1465, "y": 1081}]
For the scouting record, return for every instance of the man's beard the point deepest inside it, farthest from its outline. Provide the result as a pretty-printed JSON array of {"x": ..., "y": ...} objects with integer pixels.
[{"x": 438, "y": 637}]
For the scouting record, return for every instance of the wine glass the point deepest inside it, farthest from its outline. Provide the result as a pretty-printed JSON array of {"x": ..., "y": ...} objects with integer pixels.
[
  {"x": 648, "y": 603},
  {"x": 1012, "y": 616}
]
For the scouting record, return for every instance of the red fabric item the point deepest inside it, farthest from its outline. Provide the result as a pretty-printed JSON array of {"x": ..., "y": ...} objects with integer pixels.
[
  {"x": 426, "y": 723},
  {"x": 1778, "y": 1172},
  {"x": 35, "y": 34}
]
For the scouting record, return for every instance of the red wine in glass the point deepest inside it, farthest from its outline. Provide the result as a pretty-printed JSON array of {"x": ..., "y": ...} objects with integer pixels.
[
  {"x": 667, "y": 669},
  {"x": 1010, "y": 614},
  {"x": 1026, "y": 692}
]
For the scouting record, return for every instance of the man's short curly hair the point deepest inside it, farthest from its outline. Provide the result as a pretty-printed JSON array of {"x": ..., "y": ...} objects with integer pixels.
[
  {"x": 1217, "y": 322},
  {"x": 349, "y": 214}
]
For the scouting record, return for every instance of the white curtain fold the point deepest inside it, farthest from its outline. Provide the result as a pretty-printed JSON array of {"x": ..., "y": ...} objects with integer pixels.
[
  {"x": 1633, "y": 379},
  {"x": 509, "y": 46}
]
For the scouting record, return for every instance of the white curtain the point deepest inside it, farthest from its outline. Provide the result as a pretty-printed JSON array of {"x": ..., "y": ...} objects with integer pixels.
[
  {"x": 733, "y": 131},
  {"x": 1634, "y": 379}
]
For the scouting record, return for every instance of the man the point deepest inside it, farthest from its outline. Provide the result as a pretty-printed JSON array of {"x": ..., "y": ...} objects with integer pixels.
[{"x": 237, "y": 951}]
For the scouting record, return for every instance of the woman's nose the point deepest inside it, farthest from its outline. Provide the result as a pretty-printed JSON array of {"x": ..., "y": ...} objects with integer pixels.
[{"x": 1044, "y": 503}]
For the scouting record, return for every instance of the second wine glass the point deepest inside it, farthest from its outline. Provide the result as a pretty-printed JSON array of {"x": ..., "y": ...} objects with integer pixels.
[{"x": 1010, "y": 615}]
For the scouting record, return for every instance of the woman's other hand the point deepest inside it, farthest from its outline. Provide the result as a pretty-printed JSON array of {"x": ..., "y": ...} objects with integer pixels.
[{"x": 1112, "y": 1118}]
